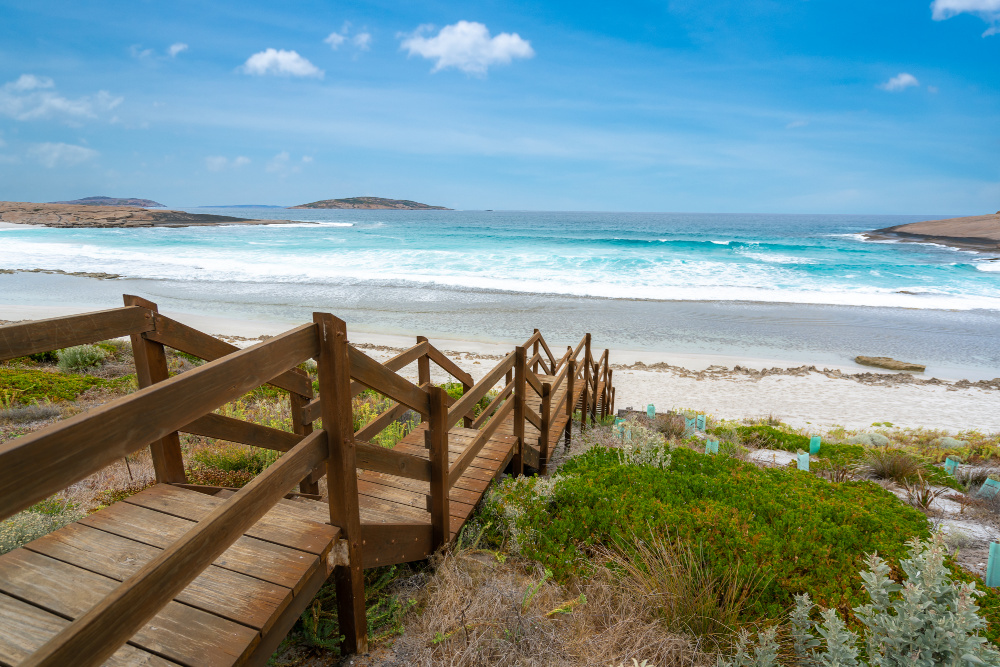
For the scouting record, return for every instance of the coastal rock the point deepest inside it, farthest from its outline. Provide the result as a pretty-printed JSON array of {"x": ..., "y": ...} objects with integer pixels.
[
  {"x": 890, "y": 364},
  {"x": 112, "y": 201},
  {"x": 76, "y": 215},
  {"x": 372, "y": 203},
  {"x": 975, "y": 232}
]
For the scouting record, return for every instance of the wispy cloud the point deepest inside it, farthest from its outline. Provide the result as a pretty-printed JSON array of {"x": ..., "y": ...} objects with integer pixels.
[
  {"x": 988, "y": 10},
  {"x": 796, "y": 123},
  {"x": 362, "y": 41},
  {"x": 466, "y": 46},
  {"x": 280, "y": 63},
  {"x": 176, "y": 48},
  {"x": 53, "y": 155},
  {"x": 282, "y": 164},
  {"x": 139, "y": 53},
  {"x": 33, "y": 97},
  {"x": 220, "y": 163},
  {"x": 901, "y": 81}
]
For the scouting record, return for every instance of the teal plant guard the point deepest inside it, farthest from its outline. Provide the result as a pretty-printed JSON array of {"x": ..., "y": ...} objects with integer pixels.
[
  {"x": 650, "y": 411},
  {"x": 620, "y": 429},
  {"x": 993, "y": 566},
  {"x": 688, "y": 425},
  {"x": 950, "y": 465},
  {"x": 711, "y": 446},
  {"x": 803, "y": 461},
  {"x": 700, "y": 422},
  {"x": 814, "y": 443},
  {"x": 989, "y": 488}
]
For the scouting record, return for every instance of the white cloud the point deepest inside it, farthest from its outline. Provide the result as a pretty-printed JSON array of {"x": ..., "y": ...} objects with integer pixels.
[
  {"x": 363, "y": 40},
  {"x": 988, "y": 10},
  {"x": 32, "y": 97},
  {"x": 219, "y": 162},
  {"x": 466, "y": 46},
  {"x": 901, "y": 81},
  {"x": 281, "y": 63},
  {"x": 58, "y": 154},
  {"x": 136, "y": 51},
  {"x": 283, "y": 165},
  {"x": 176, "y": 48},
  {"x": 335, "y": 40}
]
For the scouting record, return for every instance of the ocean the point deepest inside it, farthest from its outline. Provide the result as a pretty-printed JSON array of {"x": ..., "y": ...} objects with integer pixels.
[{"x": 772, "y": 283}]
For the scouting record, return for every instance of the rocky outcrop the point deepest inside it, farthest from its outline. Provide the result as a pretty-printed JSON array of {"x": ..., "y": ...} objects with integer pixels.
[
  {"x": 372, "y": 203},
  {"x": 74, "y": 215},
  {"x": 890, "y": 364},
  {"x": 976, "y": 232},
  {"x": 112, "y": 201}
]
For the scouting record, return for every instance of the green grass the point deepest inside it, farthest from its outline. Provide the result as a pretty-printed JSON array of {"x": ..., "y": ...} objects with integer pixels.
[{"x": 25, "y": 385}]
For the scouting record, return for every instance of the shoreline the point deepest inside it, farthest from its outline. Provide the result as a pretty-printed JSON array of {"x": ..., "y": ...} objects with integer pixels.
[{"x": 979, "y": 233}]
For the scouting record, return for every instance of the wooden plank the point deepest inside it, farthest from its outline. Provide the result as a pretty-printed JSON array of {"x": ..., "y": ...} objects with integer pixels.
[
  {"x": 68, "y": 451},
  {"x": 469, "y": 399},
  {"x": 214, "y": 491},
  {"x": 532, "y": 339},
  {"x": 26, "y": 628},
  {"x": 267, "y": 561},
  {"x": 459, "y": 467},
  {"x": 456, "y": 494},
  {"x": 101, "y": 630},
  {"x": 20, "y": 340},
  {"x": 372, "y": 374},
  {"x": 181, "y": 633},
  {"x": 533, "y": 380},
  {"x": 225, "y": 593},
  {"x": 532, "y": 417},
  {"x": 545, "y": 425},
  {"x": 520, "y": 385},
  {"x": 396, "y": 543},
  {"x": 381, "y": 459},
  {"x": 280, "y": 525},
  {"x": 438, "y": 357},
  {"x": 381, "y": 422},
  {"x": 491, "y": 408},
  {"x": 236, "y": 430},
  {"x": 553, "y": 364},
  {"x": 312, "y": 410},
  {"x": 186, "y": 339},
  {"x": 337, "y": 365}
]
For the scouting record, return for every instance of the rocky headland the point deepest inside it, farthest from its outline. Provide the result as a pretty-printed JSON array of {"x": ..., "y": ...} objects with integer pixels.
[
  {"x": 76, "y": 215},
  {"x": 372, "y": 203},
  {"x": 112, "y": 201},
  {"x": 976, "y": 232}
]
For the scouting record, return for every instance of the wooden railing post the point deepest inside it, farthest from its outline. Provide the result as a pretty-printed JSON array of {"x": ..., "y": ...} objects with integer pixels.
[
  {"x": 543, "y": 438},
  {"x": 570, "y": 403},
  {"x": 423, "y": 366},
  {"x": 150, "y": 368},
  {"x": 296, "y": 402},
  {"x": 587, "y": 361},
  {"x": 341, "y": 477},
  {"x": 437, "y": 444},
  {"x": 534, "y": 353},
  {"x": 520, "y": 384},
  {"x": 466, "y": 420}
]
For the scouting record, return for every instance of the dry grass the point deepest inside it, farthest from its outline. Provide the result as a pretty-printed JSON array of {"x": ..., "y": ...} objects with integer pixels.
[
  {"x": 479, "y": 609},
  {"x": 895, "y": 464}
]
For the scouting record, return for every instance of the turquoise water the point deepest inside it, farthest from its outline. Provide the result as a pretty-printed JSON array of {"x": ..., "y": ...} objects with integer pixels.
[{"x": 811, "y": 259}]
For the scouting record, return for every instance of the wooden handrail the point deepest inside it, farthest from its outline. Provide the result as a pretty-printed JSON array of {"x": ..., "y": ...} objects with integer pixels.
[
  {"x": 464, "y": 405},
  {"x": 377, "y": 425},
  {"x": 532, "y": 417},
  {"x": 497, "y": 400},
  {"x": 532, "y": 379},
  {"x": 449, "y": 366},
  {"x": 20, "y": 340},
  {"x": 552, "y": 357},
  {"x": 562, "y": 360},
  {"x": 181, "y": 337},
  {"x": 372, "y": 374},
  {"x": 470, "y": 453},
  {"x": 391, "y": 462},
  {"x": 95, "y": 636},
  {"x": 236, "y": 430},
  {"x": 68, "y": 451},
  {"x": 579, "y": 347},
  {"x": 532, "y": 340}
]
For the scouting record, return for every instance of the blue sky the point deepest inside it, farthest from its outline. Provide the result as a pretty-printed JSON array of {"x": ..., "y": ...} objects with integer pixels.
[{"x": 745, "y": 106}]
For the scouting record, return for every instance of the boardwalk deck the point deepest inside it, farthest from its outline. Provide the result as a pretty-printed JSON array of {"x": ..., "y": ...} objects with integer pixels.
[{"x": 233, "y": 599}]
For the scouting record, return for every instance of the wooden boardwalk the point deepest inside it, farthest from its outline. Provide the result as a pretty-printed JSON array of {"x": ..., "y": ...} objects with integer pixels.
[{"x": 190, "y": 575}]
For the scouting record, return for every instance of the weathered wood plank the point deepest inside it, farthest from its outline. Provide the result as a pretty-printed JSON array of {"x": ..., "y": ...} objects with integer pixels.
[
  {"x": 236, "y": 430},
  {"x": 181, "y": 633},
  {"x": 68, "y": 451},
  {"x": 245, "y": 600},
  {"x": 396, "y": 543},
  {"x": 26, "y": 628},
  {"x": 379, "y": 424},
  {"x": 464, "y": 405},
  {"x": 473, "y": 450},
  {"x": 20, "y": 340},
  {"x": 381, "y": 459},
  {"x": 439, "y": 358},
  {"x": 492, "y": 407},
  {"x": 372, "y": 374}
]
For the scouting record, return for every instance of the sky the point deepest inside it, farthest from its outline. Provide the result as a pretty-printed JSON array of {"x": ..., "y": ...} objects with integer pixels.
[{"x": 766, "y": 106}]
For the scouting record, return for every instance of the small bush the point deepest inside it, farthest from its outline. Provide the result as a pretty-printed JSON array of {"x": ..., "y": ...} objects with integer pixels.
[
  {"x": 28, "y": 413},
  {"x": 80, "y": 358},
  {"x": 869, "y": 440},
  {"x": 25, "y": 386},
  {"x": 950, "y": 443},
  {"x": 894, "y": 464},
  {"x": 232, "y": 466},
  {"x": 36, "y": 521},
  {"x": 44, "y": 357},
  {"x": 670, "y": 425}
]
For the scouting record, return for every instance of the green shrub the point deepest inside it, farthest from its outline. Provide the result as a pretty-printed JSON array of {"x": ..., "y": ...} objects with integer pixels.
[
  {"x": 80, "y": 358},
  {"x": 44, "y": 357},
  {"x": 932, "y": 620},
  {"x": 869, "y": 440},
  {"x": 809, "y": 534},
  {"x": 764, "y": 436},
  {"x": 25, "y": 386},
  {"x": 950, "y": 443},
  {"x": 232, "y": 466}
]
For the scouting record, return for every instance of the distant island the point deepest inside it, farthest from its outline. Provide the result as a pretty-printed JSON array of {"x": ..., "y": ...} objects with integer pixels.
[
  {"x": 372, "y": 203},
  {"x": 91, "y": 216},
  {"x": 244, "y": 206},
  {"x": 112, "y": 201},
  {"x": 974, "y": 232}
]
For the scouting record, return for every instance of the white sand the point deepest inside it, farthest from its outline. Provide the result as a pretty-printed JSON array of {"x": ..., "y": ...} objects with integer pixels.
[{"x": 809, "y": 400}]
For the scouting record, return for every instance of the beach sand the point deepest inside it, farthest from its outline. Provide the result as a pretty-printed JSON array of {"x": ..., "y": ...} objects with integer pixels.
[{"x": 829, "y": 395}]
